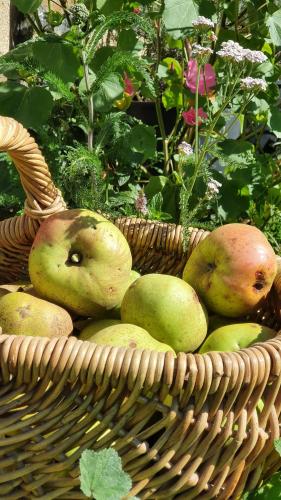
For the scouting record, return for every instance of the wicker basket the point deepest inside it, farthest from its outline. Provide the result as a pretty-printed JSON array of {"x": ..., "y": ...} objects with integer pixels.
[{"x": 213, "y": 442}]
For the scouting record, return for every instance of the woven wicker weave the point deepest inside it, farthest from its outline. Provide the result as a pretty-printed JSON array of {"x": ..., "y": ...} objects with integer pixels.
[{"x": 61, "y": 396}]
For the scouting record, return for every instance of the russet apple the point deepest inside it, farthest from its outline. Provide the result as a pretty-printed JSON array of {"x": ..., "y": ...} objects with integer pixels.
[
  {"x": 81, "y": 261},
  {"x": 232, "y": 269}
]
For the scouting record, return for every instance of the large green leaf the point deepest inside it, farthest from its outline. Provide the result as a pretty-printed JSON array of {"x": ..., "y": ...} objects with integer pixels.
[
  {"x": 274, "y": 121},
  {"x": 27, "y": 6},
  {"x": 109, "y": 90},
  {"x": 30, "y": 106},
  {"x": 142, "y": 140},
  {"x": 59, "y": 57},
  {"x": 179, "y": 14},
  {"x": 274, "y": 24},
  {"x": 108, "y": 6}
]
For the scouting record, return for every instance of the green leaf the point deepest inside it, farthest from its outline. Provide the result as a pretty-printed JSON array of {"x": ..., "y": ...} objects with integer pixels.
[
  {"x": 108, "y": 6},
  {"x": 274, "y": 24},
  {"x": 102, "y": 476},
  {"x": 277, "y": 446},
  {"x": 109, "y": 90},
  {"x": 27, "y": 6},
  {"x": 236, "y": 152},
  {"x": 271, "y": 490},
  {"x": 142, "y": 140},
  {"x": 274, "y": 121},
  {"x": 172, "y": 96},
  {"x": 30, "y": 106},
  {"x": 179, "y": 14},
  {"x": 58, "y": 57}
]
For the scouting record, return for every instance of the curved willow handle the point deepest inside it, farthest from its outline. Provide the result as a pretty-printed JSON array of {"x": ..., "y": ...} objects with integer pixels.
[{"x": 42, "y": 198}]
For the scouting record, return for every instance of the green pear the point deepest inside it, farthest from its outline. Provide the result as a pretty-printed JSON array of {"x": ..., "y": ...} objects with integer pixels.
[
  {"x": 123, "y": 335},
  {"x": 116, "y": 311},
  {"x": 24, "y": 314},
  {"x": 236, "y": 336},
  {"x": 93, "y": 327},
  {"x": 168, "y": 308},
  {"x": 81, "y": 261}
]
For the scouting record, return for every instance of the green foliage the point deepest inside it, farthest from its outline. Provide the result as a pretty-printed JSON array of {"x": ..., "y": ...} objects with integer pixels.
[
  {"x": 270, "y": 489},
  {"x": 102, "y": 476},
  {"x": 16, "y": 101},
  {"x": 27, "y": 6},
  {"x": 53, "y": 55},
  {"x": 117, "y": 20},
  {"x": 174, "y": 22},
  {"x": 274, "y": 24}
]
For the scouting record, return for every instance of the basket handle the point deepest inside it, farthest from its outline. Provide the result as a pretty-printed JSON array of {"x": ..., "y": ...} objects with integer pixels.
[{"x": 42, "y": 197}]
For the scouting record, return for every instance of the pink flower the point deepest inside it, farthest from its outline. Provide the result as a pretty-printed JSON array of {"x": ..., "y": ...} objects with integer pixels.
[
  {"x": 190, "y": 116},
  {"x": 207, "y": 73},
  {"x": 128, "y": 85},
  {"x": 137, "y": 10}
]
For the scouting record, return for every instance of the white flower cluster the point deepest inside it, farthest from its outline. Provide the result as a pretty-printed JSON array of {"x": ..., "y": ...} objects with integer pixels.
[
  {"x": 198, "y": 51},
  {"x": 253, "y": 84},
  {"x": 185, "y": 149},
  {"x": 202, "y": 22},
  {"x": 233, "y": 51},
  {"x": 213, "y": 188}
]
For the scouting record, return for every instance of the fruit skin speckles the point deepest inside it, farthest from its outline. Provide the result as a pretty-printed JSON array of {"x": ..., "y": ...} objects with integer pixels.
[{"x": 245, "y": 268}]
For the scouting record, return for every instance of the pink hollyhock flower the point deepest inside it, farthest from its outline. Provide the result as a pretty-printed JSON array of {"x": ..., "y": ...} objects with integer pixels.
[
  {"x": 128, "y": 85},
  {"x": 137, "y": 10},
  {"x": 190, "y": 116},
  {"x": 207, "y": 73}
]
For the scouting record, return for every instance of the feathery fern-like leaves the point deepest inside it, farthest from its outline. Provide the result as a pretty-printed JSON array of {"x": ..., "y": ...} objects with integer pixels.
[
  {"x": 56, "y": 84},
  {"x": 117, "y": 20},
  {"x": 128, "y": 62}
]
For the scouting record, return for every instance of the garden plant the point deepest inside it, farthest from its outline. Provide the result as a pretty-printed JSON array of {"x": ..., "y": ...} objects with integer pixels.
[{"x": 167, "y": 110}]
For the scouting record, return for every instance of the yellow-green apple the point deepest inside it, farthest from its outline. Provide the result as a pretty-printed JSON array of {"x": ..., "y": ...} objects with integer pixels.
[
  {"x": 168, "y": 308},
  {"x": 232, "y": 269},
  {"x": 236, "y": 336},
  {"x": 81, "y": 261}
]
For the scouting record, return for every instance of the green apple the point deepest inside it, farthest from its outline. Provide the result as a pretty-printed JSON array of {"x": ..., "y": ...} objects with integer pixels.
[
  {"x": 236, "y": 336},
  {"x": 123, "y": 335},
  {"x": 232, "y": 269},
  {"x": 168, "y": 308},
  {"x": 81, "y": 261}
]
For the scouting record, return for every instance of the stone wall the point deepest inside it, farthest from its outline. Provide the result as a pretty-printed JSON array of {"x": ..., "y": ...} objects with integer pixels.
[{"x": 4, "y": 26}]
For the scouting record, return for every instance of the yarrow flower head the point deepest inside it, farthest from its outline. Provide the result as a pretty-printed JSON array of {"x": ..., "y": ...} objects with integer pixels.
[
  {"x": 255, "y": 56},
  {"x": 213, "y": 188},
  {"x": 203, "y": 23},
  {"x": 253, "y": 84},
  {"x": 234, "y": 52},
  {"x": 201, "y": 53},
  {"x": 141, "y": 203},
  {"x": 185, "y": 149}
]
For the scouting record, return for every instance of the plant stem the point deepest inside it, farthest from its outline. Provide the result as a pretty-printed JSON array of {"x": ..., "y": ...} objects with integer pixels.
[
  {"x": 165, "y": 141},
  {"x": 33, "y": 24},
  {"x": 90, "y": 103}
]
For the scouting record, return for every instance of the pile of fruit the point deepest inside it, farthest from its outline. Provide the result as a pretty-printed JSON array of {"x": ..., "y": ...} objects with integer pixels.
[{"x": 82, "y": 284}]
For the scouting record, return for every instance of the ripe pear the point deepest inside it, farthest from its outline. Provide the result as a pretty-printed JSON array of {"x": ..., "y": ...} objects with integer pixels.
[
  {"x": 81, "y": 261},
  {"x": 124, "y": 335},
  {"x": 232, "y": 269},
  {"x": 23, "y": 314},
  {"x": 168, "y": 308},
  {"x": 93, "y": 327},
  {"x": 116, "y": 311},
  {"x": 236, "y": 336}
]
